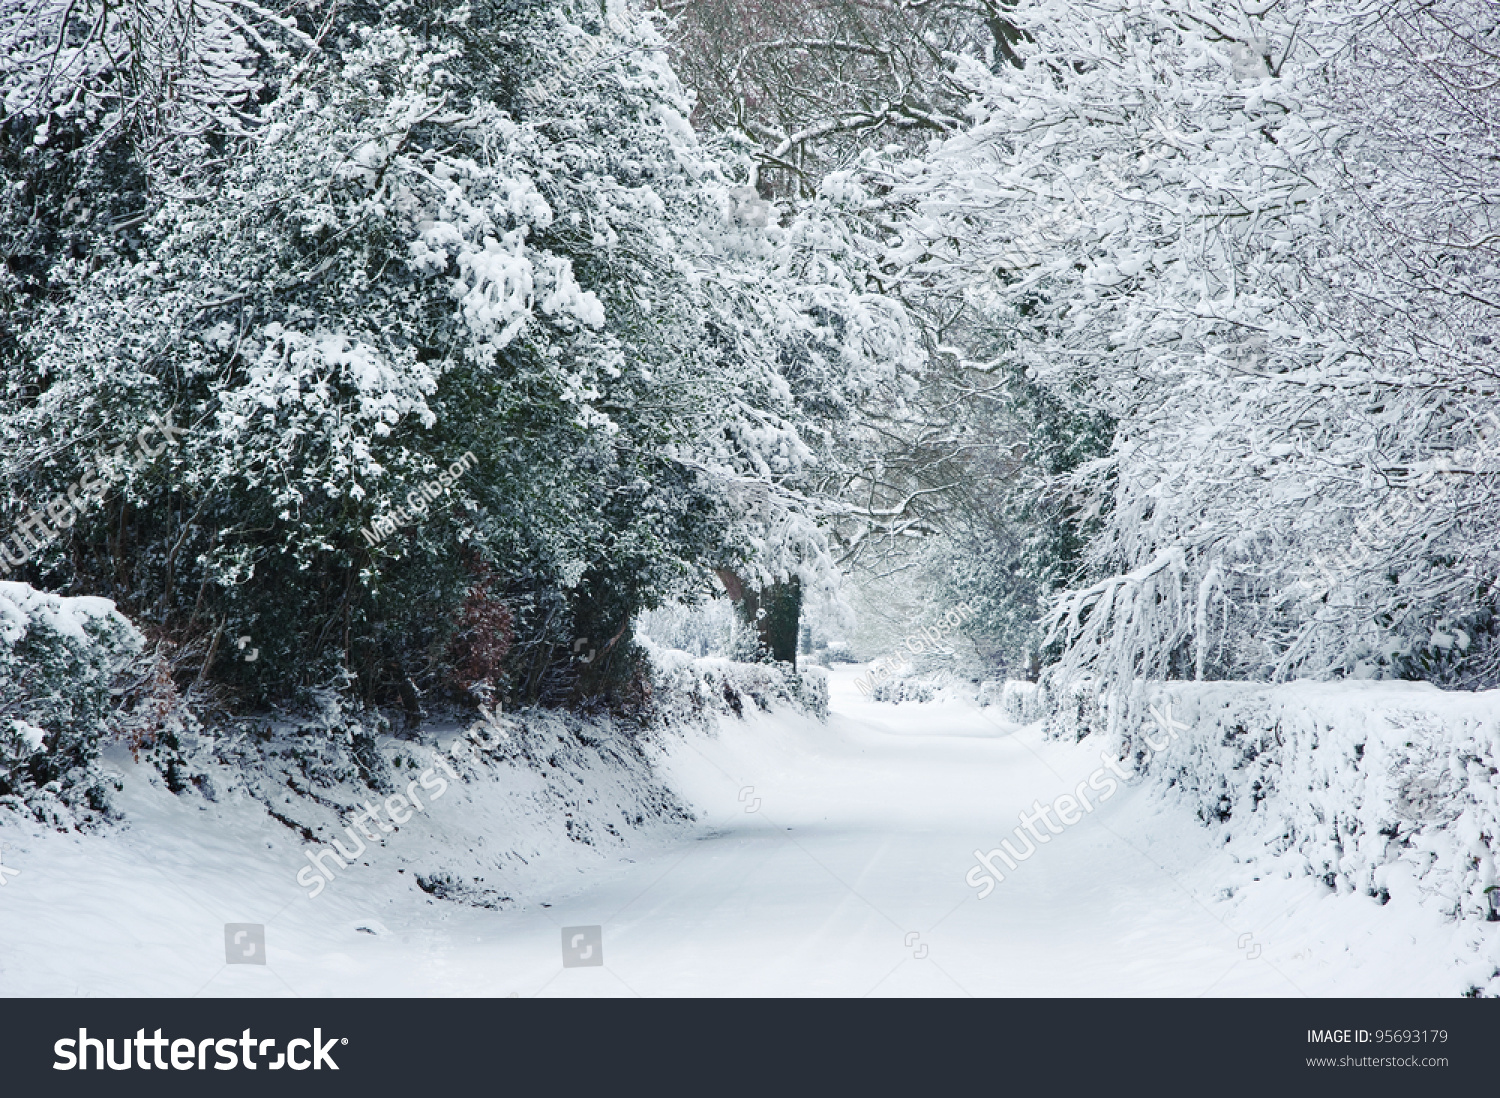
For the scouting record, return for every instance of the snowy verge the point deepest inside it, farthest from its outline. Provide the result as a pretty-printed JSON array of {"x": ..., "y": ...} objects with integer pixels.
[
  {"x": 1379, "y": 788},
  {"x": 482, "y": 813},
  {"x": 526, "y": 794},
  {"x": 552, "y": 788}
]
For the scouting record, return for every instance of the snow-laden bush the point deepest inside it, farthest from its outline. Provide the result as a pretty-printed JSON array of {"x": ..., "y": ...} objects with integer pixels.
[
  {"x": 60, "y": 660},
  {"x": 905, "y": 688},
  {"x": 1075, "y": 707},
  {"x": 924, "y": 684},
  {"x": 1377, "y": 788},
  {"x": 684, "y": 689}
]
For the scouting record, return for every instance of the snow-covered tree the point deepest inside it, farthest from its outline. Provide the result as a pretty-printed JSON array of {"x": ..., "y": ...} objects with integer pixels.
[
  {"x": 458, "y": 236},
  {"x": 1256, "y": 242},
  {"x": 164, "y": 71}
]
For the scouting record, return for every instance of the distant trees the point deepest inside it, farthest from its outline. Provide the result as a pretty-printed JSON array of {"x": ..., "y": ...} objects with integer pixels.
[
  {"x": 821, "y": 97},
  {"x": 1207, "y": 306}
]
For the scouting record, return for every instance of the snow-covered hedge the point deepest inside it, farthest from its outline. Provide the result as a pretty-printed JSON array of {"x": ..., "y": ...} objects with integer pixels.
[
  {"x": 1073, "y": 708},
  {"x": 905, "y": 689},
  {"x": 684, "y": 688},
  {"x": 1021, "y": 702},
  {"x": 1375, "y": 787},
  {"x": 923, "y": 685},
  {"x": 59, "y": 660}
]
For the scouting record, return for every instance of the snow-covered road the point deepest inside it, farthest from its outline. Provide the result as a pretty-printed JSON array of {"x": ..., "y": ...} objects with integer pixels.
[
  {"x": 848, "y": 878},
  {"x": 830, "y": 860}
]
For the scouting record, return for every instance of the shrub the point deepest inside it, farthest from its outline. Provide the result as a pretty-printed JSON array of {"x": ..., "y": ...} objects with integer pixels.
[{"x": 61, "y": 660}]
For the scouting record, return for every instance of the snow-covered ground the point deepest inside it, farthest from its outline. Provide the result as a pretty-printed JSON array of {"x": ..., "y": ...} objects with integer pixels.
[{"x": 827, "y": 859}]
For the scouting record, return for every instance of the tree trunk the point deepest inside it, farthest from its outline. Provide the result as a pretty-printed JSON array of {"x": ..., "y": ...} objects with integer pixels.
[{"x": 774, "y": 612}]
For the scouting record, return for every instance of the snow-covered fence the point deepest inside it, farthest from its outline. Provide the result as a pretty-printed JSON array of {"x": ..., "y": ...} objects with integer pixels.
[
  {"x": 60, "y": 658},
  {"x": 1375, "y": 787}
]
